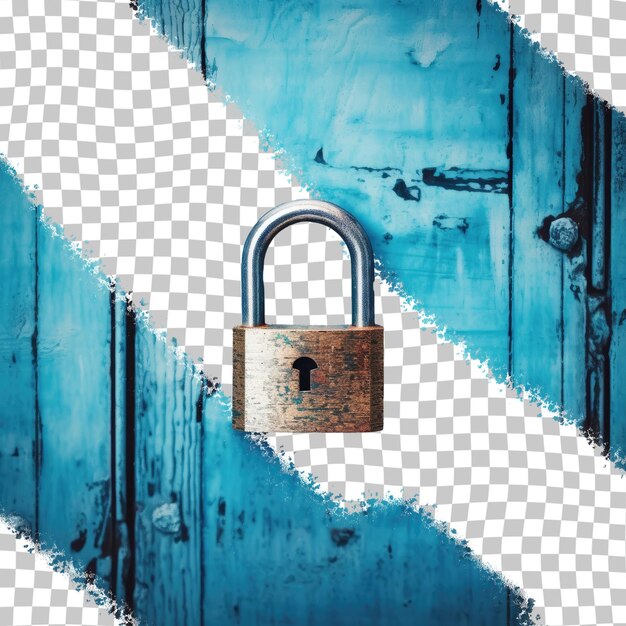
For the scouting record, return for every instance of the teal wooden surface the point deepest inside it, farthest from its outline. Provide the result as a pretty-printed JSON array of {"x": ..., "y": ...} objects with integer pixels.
[
  {"x": 537, "y": 177},
  {"x": 145, "y": 485},
  {"x": 420, "y": 87},
  {"x": 182, "y": 19},
  {"x": 430, "y": 95},
  {"x": 279, "y": 554},
  {"x": 598, "y": 328},
  {"x": 168, "y": 495},
  {"x": 182, "y": 517},
  {"x": 122, "y": 446},
  {"x": 73, "y": 354},
  {"x": 573, "y": 282},
  {"x": 617, "y": 347},
  {"x": 19, "y": 456},
  {"x": 390, "y": 112}
]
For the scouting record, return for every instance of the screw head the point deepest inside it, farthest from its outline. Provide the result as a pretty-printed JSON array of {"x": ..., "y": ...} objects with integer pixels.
[{"x": 563, "y": 233}]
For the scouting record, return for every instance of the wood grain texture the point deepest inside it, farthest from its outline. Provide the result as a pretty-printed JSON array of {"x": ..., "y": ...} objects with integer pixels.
[
  {"x": 346, "y": 392},
  {"x": 122, "y": 510},
  {"x": 74, "y": 393},
  {"x": 275, "y": 552},
  {"x": 617, "y": 233},
  {"x": 168, "y": 496},
  {"x": 573, "y": 278},
  {"x": 536, "y": 266},
  {"x": 19, "y": 456},
  {"x": 208, "y": 530},
  {"x": 181, "y": 22},
  {"x": 387, "y": 93},
  {"x": 598, "y": 169},
  {"x": 245, "y": 542}
]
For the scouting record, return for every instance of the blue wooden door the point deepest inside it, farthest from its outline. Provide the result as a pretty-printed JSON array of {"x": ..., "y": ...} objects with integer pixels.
[{"x": 113, "y": 451}]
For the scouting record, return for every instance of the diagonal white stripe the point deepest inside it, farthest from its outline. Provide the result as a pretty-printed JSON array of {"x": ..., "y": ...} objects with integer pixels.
[{"x": 162, "y": 181}]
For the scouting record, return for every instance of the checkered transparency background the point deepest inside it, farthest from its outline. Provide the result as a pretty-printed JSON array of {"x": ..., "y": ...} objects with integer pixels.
[
  {"x": 33, "y": 592},
  {"x": 154, "y": 175},
  {"x": 588, "y": 37}
]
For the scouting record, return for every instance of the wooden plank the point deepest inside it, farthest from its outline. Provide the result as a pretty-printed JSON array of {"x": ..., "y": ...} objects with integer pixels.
[
  {"x": 598, "y": 313},
  {"x": 274, "y": 552},
  {"x": 121, "y": 470},
  {"x": 167, "y": 478},
  {"x": 367, "y": 103},
  {"x": 617, "y": 233},
  {"x": 73, "y": 349},
  {"x": 536, "y": 266},
  {"x": 574, "y": 283},
  {"x": 18, "y": 395}
]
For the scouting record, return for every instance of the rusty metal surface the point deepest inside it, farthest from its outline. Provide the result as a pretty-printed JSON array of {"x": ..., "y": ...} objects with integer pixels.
[{"x": 346, "y": 388}]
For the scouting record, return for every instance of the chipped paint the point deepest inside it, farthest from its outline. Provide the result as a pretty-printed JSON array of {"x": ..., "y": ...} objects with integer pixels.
[
  {"x": 446, "y": 222},
  {"x": 463, "y": 179},
  {"x": 209, "y": 519}
]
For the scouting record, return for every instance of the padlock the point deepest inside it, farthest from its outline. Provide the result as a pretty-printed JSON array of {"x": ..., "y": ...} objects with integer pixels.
[{"x": 308, "y": 378}]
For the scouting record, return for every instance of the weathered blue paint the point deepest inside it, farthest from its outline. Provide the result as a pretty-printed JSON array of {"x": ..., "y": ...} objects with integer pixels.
[
  {"x": 18, "y": 415},
  {"x": 276, "y": 552},
  {"x": 456, "y": 143},
  {"x": 73, "y": 354},
  {"x": 573, "y": 282},
  {"x": 168, "y": 485},
  {"x": 156, "y": 494},
  {"x": 55, "y": 450},
  {"x": 617, "y": 283},
  {"x": 398, "y": 112},
  {"x": 433, "y": 104},
  {"x": 537, "y": 191}
]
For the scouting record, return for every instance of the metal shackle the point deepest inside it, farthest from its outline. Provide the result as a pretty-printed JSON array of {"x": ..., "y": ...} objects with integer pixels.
[{"x": 284, "y": 215}]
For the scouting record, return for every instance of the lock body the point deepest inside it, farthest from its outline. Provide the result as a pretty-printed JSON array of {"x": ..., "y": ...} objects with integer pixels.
[{"x": 342, "y": 366}]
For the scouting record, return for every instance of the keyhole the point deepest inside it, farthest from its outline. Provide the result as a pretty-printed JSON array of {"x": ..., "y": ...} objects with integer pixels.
[{"x": 304, "y": 365}]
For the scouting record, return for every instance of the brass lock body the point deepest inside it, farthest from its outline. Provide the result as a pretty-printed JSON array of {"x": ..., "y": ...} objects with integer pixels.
[{"x": 308, "y": 378}]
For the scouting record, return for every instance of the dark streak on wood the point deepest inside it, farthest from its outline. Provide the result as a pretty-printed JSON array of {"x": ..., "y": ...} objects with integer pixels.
[
  {"x": 341, "y": 537},
  {"x": 200, "y": 401},
  {"x": 596, "y": 185},
  {"x": 510, "y": 599},
  {"x": 509, "y": 154},
  {"x": 203, "y": 43},
  {"x": 37, "y": 442},
  {"x": 79, "y": 543},
  {"x": 446, "y": 222},
  {"x": 606, "y": 145},
  {"x": 130, "y": 500},
  {"x": 616, "y": 277},
  {"x": 113, "y": 534},
  {"x": 319, "y": 158}
]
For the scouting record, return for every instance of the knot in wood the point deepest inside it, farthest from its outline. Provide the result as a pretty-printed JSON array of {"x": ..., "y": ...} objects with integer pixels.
[{"x": 166, "y": 518}]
